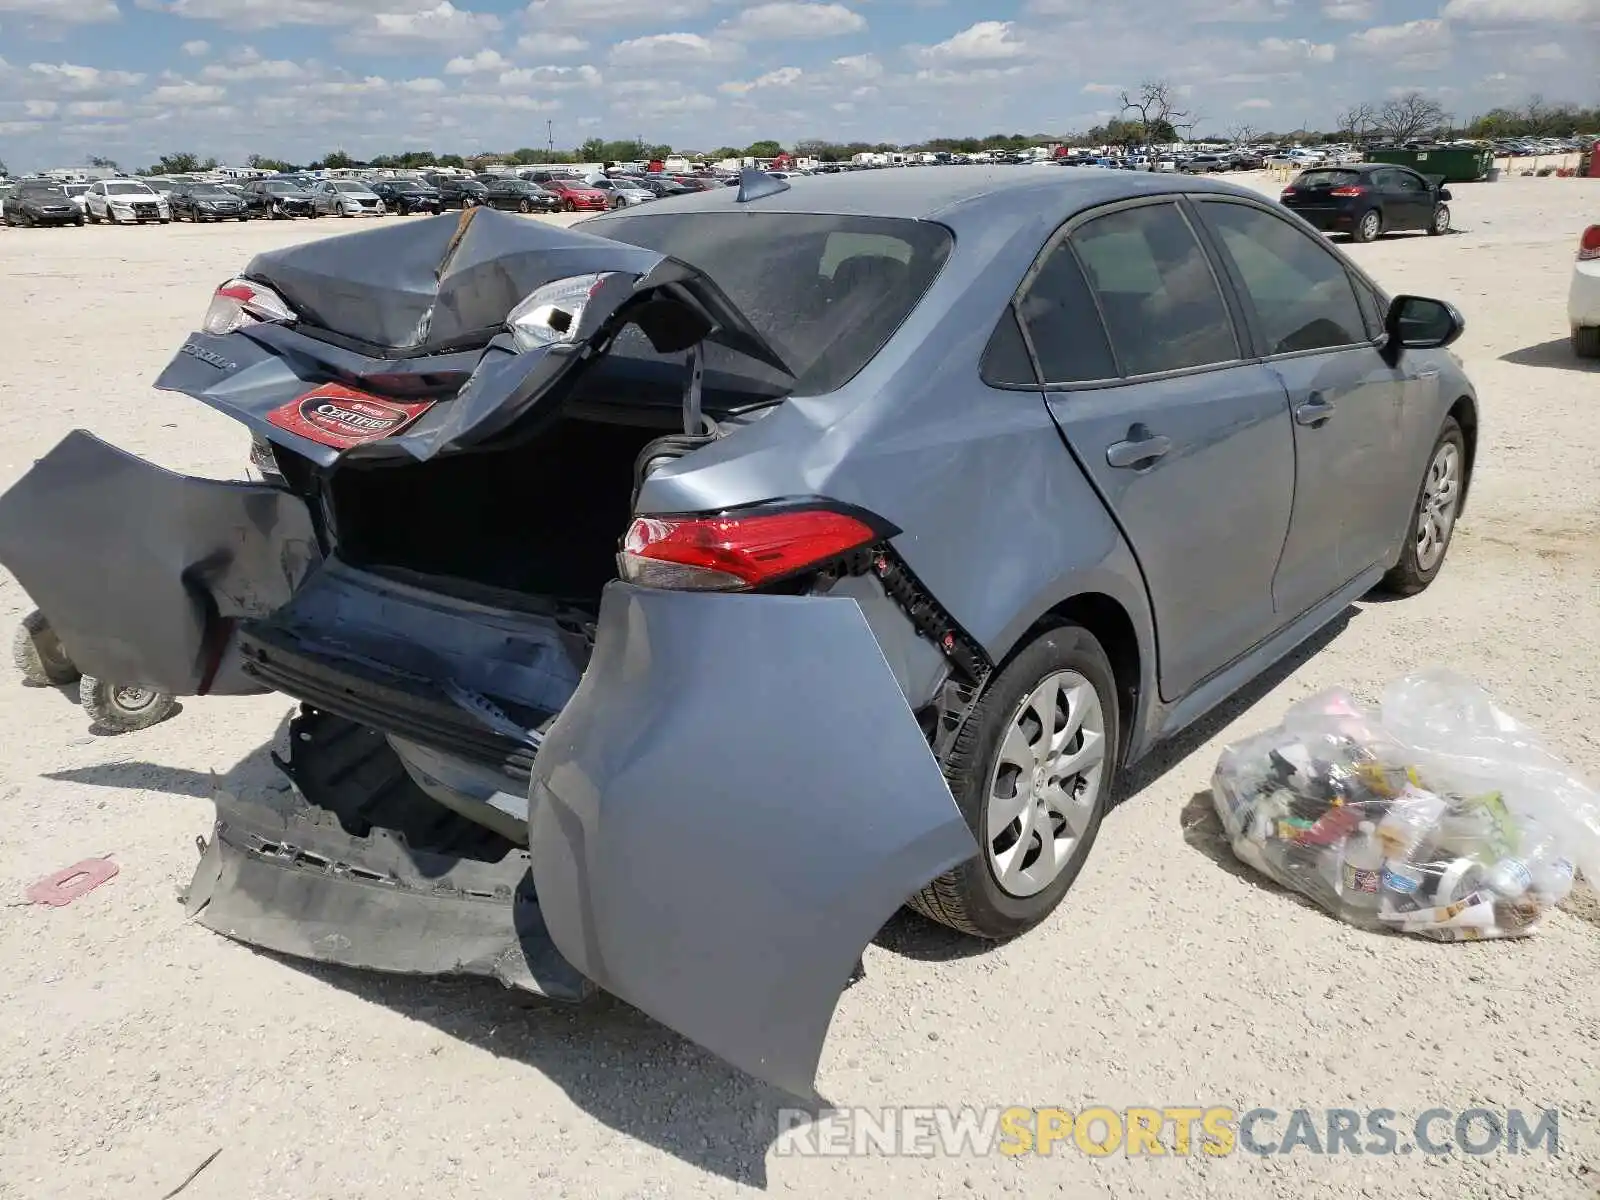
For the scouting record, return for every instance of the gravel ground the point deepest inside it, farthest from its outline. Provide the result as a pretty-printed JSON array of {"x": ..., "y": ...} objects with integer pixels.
[{"x": 133, "y": 1045}]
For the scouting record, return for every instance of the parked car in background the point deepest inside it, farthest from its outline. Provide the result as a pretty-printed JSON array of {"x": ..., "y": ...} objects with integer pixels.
[
  {"x": 573, "y": 193},
  {"x": 661, "y": 186},
  {"x": 125, "y": 201},
  {"x": 206, "y": 202},
  {"x": 346, "y": 198},
  {"x": 41, "y": 202},
  {"x": 1246, "y": 160},
  {"x": 279, "y": 199},
  {"x": 520, "y": 195},
  {"x": 76, "y": 192},
  {"x": 1366, "y": 200},
  {"x": 1197, "y": 164},
  {"x": 457, "y": 191},
  {"x": 622, "y": 190},
  {"x": 1583, "y": 298},
  {"x": 407, "y": 196},
  {"x": 700, "y": 183}
]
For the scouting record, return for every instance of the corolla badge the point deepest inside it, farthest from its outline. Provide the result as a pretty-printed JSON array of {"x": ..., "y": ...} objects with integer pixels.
[{"x": 207, "y": 357}]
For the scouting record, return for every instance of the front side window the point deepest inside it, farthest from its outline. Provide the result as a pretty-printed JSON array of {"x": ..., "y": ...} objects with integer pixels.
[
  {"x": 1162, "y": 306},
  {"x": 1301, "y": 294},
  {"x": 1405, "y": 181}
]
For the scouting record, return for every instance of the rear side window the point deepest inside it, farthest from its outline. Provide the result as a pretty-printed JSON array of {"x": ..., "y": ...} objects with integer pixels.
[
  {"x": 1162, "y": 305},
  {"x": 1059, "y": 314},
  {"x": 826, "y": 291},
  {"x": 1314, "y": 181},
  {"x": 1302, "y": 295}
]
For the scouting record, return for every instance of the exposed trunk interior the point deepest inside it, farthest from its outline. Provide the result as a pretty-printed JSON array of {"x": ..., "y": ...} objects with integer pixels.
[{"x": 543, "y": 518}]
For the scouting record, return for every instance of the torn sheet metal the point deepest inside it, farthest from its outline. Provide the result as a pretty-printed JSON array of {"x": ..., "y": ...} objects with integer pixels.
[
  {"x": 138, "y": 569},
  {"x": 722, "y": 879},
  {"x": 314, "y": 873}
]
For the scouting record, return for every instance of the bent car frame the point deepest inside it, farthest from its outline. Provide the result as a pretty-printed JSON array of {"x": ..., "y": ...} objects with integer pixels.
[{"x": 672, "y": 598}]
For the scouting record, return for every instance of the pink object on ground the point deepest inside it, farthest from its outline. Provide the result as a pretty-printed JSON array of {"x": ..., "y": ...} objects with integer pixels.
[{"x": 67, "y": 884}]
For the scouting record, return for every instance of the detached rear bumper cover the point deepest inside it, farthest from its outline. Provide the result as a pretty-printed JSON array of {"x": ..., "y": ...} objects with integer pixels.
[{"x": 730, "y": 807}]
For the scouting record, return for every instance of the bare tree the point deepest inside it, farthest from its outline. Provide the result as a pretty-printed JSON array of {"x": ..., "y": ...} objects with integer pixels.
[
  {"x": 1188, "y": 124},
  {"x": 1357, "y": 119},
  {"x": 1156, "y": 104},
  {"x": 1243, "y": 135},
  {"x": 1407, "y": 117}
]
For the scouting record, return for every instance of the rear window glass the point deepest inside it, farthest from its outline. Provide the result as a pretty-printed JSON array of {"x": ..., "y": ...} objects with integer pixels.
[
  {"x": 1327, "y": 179},
  {"x": 826, "y": 291}
]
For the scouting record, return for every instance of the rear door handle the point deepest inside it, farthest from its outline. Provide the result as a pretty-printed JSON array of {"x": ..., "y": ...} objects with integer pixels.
[
  {"x": 1315, "y": 411},
  {"x": 1142, "y": 447}
]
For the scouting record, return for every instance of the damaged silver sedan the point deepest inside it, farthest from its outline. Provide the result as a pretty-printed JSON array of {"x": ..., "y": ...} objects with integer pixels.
[{"x": 671, "y": 599}]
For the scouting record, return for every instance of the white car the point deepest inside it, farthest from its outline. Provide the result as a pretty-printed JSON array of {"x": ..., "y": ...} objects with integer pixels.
[
  {"x": 1583, "y": 299},
  {"x": 122, "y": 201},
  {"x": 347, "y": 198},
  {"x": 622, "y": 191},
  {"x": 78, "y": 193}
]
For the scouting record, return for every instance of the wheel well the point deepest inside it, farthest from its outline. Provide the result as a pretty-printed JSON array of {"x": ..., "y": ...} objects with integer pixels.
[
  {"x": 1111, "y": 626},
  {"x": 1466, "y": 414}
]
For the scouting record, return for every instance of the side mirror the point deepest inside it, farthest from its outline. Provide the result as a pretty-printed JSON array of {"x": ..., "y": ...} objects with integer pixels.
[
  {"x": 1418, "y": 323},
  {"x": 1444, "y": 194}
]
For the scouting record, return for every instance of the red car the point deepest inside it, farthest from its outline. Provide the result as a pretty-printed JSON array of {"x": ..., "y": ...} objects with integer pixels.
[{"x": 576, "y": 195}]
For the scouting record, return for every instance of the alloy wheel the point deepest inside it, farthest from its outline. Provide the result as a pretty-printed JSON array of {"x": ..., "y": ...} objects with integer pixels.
[
  {"x": 1370, "y": 225},
  {"x": 131, "y": 699},
  {"x": 1436, "y": 516},
  {"x": 1045, "y": 784}
]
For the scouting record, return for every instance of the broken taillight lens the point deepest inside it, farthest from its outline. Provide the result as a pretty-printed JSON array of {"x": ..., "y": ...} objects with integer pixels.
[
  {"x": 552, "y": 313},
  {"x": 737, "y": 550},
  {"x": 1348, "y": 191},
  {"x": 239, "y": 302},
  {"x": 1589, "y": 244}
]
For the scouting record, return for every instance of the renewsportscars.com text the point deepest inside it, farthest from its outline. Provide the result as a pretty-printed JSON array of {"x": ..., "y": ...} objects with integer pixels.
[{"x": 1177, "y": 1130}]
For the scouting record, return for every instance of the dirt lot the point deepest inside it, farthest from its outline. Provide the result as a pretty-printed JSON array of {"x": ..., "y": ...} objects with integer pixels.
[{"x": 133, "y": 1045}]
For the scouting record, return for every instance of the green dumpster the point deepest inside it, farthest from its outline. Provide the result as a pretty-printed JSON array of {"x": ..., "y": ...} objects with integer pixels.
[{"x": 1455, "y": 164}]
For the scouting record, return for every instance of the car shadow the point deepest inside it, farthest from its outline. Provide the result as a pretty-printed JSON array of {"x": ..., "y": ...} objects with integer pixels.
[
  {"x": 1555, "y": 353},
  {"x": 254, "y": 772}
]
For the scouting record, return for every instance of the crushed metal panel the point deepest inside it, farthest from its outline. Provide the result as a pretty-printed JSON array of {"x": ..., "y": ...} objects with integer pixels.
[
  {"x": 733, "y": 803},
  {"x": 132, "y": 563}
]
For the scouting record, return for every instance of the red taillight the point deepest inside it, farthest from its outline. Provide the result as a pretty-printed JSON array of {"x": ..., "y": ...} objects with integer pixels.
[
  {"x": 1287, "y": 192},
  {"x": 1348, "y": 191},
  {"x": 737, "y": 550},
  {"x": 240, "y": 302},
  {"x": 1589, "y": 244}
]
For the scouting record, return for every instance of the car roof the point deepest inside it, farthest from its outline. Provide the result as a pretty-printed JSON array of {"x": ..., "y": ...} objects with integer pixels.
[{"x": 1007, "y": 195}]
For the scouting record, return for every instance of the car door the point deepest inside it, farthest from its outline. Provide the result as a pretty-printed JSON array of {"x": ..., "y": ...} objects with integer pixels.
[
  {"x": 1415, "y": 198},
  {"x": 1188, "y": 444},
  {"x": 1346, "y": 401}
]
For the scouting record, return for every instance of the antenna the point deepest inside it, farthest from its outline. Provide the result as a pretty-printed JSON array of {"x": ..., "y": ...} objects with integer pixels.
[{"x": 754, "y": 185}]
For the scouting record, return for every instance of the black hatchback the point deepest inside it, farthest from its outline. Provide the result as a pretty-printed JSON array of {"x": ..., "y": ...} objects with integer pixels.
[
  {"x": 406, "y": 196},
  {"x": 1368, "y": 199},
  {"x": 41, "y": 203}
]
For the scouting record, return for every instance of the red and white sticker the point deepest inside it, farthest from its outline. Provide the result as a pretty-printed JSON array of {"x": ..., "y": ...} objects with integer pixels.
[{"x": 334, "y": 415}]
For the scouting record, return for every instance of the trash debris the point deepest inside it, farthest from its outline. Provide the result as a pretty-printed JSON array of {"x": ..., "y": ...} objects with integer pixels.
[
  {"x": 67, "y": 884},
  {"x": 194, "y": 1174},
  {"x": 1437, "y": 814}
]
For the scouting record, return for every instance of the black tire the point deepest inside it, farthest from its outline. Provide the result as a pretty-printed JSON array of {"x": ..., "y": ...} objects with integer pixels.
[
  {"x": 1408, "y": 576},
  {"x": 569, "y": 206},
  {"x": 525, "y": 207},
  {"x": 93, "y": 220},
  {"x": 969, "y": 898},
  {"x": 1368, "y": 227},
  {"x": 108, "y": 708},
  {"x": 1586, "y": 341},
  {"x": 39, "y": 655},
  {"x": 1441, "y": 221},
  {"x": 79, "y": 222}
]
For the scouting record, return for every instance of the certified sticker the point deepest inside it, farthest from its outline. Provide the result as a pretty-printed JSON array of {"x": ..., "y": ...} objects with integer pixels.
[{"x": 334, "y": 415}]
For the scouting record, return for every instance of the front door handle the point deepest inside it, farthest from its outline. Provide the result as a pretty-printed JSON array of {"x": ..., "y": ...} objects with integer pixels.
[
  {"x": 1140, "y": 449},
  {"x": 1315, "y": 411}
]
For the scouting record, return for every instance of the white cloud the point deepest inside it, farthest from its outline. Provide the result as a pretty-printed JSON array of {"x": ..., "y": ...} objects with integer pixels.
[
  {"x": 40, "y": 108},
  {"x": 62, "y": 12},
  {"x": 1348, "y": 10},
  {"x": 97, "y": 108},
  {"x": 196, "y": 48},
  {"x": 1392, "y": 41},
  {"x": 426, "y": 86},
  {"x": 558, "y": 14},
  {"x": 551, "y": 44},
  {"x": 987, "y": 41},
  {"x": 1296, "y": 50},
  {"x": 187, "y": 94},
  {"x": 1101, "y": 89},
  {"x": 670, "y": 49},
  {"x": 550, "y": 78},
  {"x": 1514, "y": 12},
  {"x": 944, "y": 77},
  {"x": 782, "y": 77},
  {"x": 859, "y": 66},
  {"x": 254, "y": 68},
  {"x": 69, "y": 77},
  {"x": 1256, "y": 103},
  {"x": 403, "y": 32},
  {"x": 483, "y": 60},
  {"x": 792, "y": 20}
]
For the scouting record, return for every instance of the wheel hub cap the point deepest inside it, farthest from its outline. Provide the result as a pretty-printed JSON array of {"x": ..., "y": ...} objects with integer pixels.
[
  {"x": 132, "y": 699},
  {"x": 1441, "y": 494},
  {"x": 1045, "y": 784}
]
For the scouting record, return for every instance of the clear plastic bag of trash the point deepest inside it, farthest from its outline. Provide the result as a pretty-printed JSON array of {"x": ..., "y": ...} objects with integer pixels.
[{"x": 1437, "y": 813}]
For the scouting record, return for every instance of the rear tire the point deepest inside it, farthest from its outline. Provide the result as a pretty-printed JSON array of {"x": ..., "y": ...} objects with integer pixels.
[
  {"x": 1422, "y": 558},
  {"x": 1368, "y": 227},
  {"x": 525, "y": 207},
  {"x": 39, "y": 655},
  {"x": 981, "y": 773},
  {"x": 1586, "y": 341},
  {"x": 120, "y": 708},
  {"x": 1441, "y": 221}
]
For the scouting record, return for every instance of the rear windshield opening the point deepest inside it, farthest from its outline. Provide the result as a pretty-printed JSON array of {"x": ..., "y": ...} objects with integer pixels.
[
  {"x": 1327, "y": 179},
  {"x": 826, "y": 291}
]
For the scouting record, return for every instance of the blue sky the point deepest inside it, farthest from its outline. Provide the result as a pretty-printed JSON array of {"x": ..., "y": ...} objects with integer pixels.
[{"x": 296, "y": 78}]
